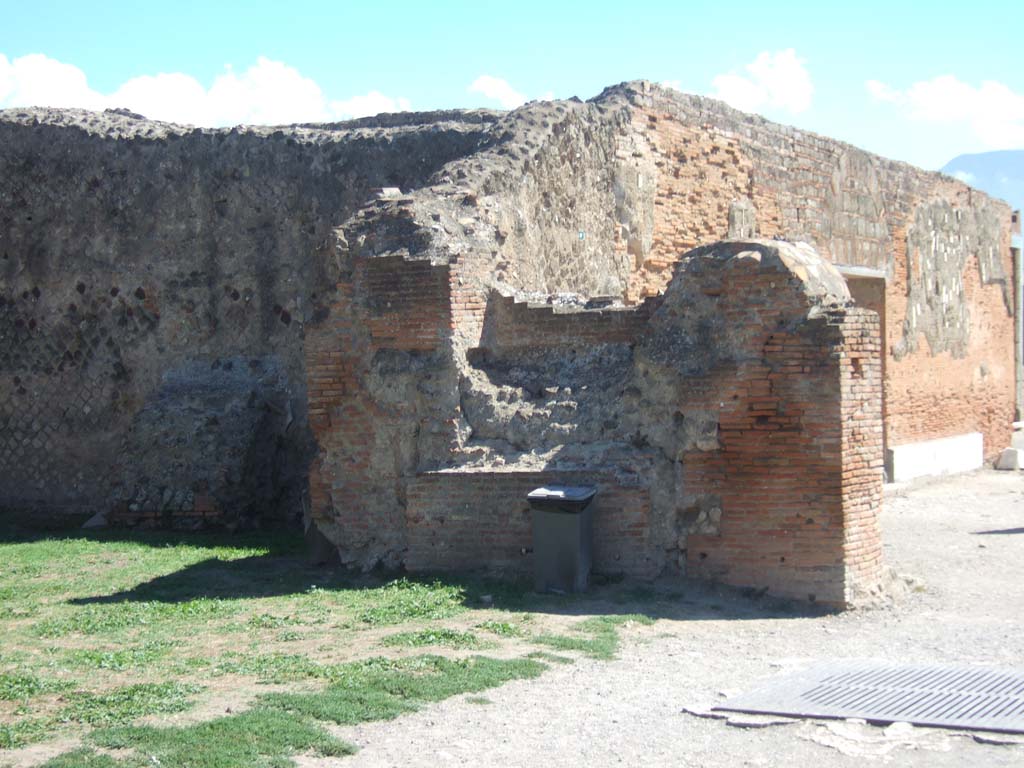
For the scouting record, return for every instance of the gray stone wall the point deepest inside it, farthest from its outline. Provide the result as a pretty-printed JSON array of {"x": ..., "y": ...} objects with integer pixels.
[{"x": 155, "y": 286}]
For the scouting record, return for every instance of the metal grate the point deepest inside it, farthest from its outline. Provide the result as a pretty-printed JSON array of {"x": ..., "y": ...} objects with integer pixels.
[{"x": 974, "y": 698}]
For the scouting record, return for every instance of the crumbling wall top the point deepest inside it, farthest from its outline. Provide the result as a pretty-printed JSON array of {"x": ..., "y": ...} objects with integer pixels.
[
  {"x": 123, "y": 124},
  {"x": 818, "y": 279}
]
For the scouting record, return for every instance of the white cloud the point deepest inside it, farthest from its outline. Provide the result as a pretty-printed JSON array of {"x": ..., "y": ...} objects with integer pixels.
[
  {"x": 674, "y": 84},
  {"x": 775, "y": 80},
  {"x": 372, "y": 103},
  {"x": 739, "y": 92},
  {"x": 176, "y": 98},
  {"x": 992, "y": 111},
  {"x": 882, "y": 92},
  {"x": 38, "y": 80},
  {"x": 266, "y": 93},
  {"x": 498, "y": 90},
  {"x": 965, "y": 176}
]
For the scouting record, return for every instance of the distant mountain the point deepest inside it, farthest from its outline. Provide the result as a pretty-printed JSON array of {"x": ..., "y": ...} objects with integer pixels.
[{"x": 1000, "y": 174}]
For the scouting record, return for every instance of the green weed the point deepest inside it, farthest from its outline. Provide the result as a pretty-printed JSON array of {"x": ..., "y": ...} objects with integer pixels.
[
  {"x": 381, "y": 689},
  {"x": 152, "y": 606},
  {"x": 98, "y": 618},
  {"x": 270, "y": 621},
  {"x": 120, "y": 659},
  {"x": 18, "y": 686},
  {"x": 554, "y": 658},
  {"x": 85, "y": 758},
  {"x": 11, "y": 612},
  {"x": 403, "y": 600},
  {"x": 597, "y": 637},
  {"x": 259, "y": 738},
  {"x": 500, "y": 628},
  {"x": 23, "y": 732},
  {"x": 270, "y": 667},
  {"x": 123, "y": 705},
  {"x": 449, "y": 638}
]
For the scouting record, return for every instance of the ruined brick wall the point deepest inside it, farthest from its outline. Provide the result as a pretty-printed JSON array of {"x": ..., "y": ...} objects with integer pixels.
[
  {"x": 157, "y": 284},
  {"x": 711, "y": 419},
  {"x": 524, "y": 307},
  {"x": 943, "y": 247},
  {"x": 861, "y": 381},
  {"x": 799, "y": 474},
  {"x": 481, "y": 519},
  {"x": 428, "y": 443},
  {"x": 381, "y": 399},
  {"x": 785, "y": 490},
  {"x": 512, "y": 323}
]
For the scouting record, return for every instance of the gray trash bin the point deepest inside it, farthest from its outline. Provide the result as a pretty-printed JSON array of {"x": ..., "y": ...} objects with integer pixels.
[{"x": 562, "y": 533}]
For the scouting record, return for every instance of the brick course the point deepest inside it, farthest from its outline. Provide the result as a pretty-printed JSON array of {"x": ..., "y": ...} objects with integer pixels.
[{"x": 480, "y": 520}]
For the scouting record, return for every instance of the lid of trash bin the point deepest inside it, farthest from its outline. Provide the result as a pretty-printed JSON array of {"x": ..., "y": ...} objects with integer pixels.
[{"x": 564, "y": 492}]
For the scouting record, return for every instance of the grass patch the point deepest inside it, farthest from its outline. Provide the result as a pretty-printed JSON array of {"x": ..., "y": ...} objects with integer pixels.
[
  {"x": 159, "y": 612},
  {"x": 604, "y": 623},
  {"x": 270, "y": 667},
  {"x": 123, "y": 705},
  {"x": 500, "y": 628},
  {"x": 270, "y": 621},
  {"x": 449, "y": 638},
  {"x": 597, "y": 637},
  {"x": 10, "y": 612},
  {"x": 84, "y": 758},
  {"x": 99, "y": 618},
  {"x": 478, "y": 700},
  {"x": 282, "y": 725},
  {"x": 23, "y": 732},
  {"x": 19, "y": 686},
  {"x": 404, "y": 600},
  {"x": 12, "y": 657},
  {"x": 382, "y": 689},
  {"x": 260, "y": 738},
  {"x": 120, "y": 659}
]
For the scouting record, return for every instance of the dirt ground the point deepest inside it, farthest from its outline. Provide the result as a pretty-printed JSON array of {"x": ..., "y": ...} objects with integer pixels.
[{"x": 962, "y": 541}]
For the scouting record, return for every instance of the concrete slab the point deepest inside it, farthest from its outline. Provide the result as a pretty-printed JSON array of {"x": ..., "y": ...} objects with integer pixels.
[{"x": 947, "y": 455}]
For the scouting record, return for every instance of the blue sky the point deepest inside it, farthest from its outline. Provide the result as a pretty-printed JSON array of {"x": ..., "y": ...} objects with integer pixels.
[{"x": 908, "y": 81}]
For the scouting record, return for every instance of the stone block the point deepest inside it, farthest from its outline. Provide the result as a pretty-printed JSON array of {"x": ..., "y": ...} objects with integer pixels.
[{"x": 1010, "y": 458}]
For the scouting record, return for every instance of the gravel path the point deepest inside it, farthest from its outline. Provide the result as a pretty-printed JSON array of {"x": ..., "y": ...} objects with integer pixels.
[{"x": 967, "y": 608}]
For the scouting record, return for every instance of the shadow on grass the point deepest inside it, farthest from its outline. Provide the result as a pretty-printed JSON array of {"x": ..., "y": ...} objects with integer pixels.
[
  {"x": 275, "y": 575},
  {"x": 15, "y": 530},
  {"x": 270, "y": 575},
  {"x": 283, "y": 570}
]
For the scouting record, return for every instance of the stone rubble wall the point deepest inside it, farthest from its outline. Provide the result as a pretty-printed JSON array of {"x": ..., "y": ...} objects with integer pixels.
[{"x": 156, "y": 282}]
